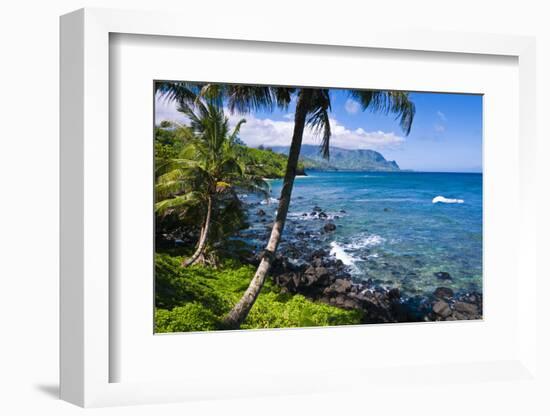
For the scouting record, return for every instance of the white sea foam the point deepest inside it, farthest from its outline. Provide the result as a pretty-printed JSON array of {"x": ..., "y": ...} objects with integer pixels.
[
  {"x": 342, "y": 251},
  {"x": 365, "y": 241},
  {"x": 444, "y": 200},
  {"x": 338, "y": 251},
  {"x": 270, "y": 201}
]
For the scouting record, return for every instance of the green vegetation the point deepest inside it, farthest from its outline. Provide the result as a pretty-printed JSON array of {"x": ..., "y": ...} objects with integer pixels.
[
  {"x": 171, "y": 138},
  {"x": 206, "y": 174},
  {"x": 197, "y": 298},
  {"x": 199, "y": 170},
  {"x": 270, "y": 164}
]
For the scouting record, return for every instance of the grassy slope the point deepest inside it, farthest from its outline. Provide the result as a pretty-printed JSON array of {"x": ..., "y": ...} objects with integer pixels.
[{"x": 196, "y": 298}]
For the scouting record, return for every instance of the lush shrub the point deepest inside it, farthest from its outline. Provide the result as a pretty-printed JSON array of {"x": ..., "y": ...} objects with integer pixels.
[
  {"x": 177, "y": 286},
  {"x": 277, "y": 311},
  {"x": 197, "y": 298},
  {"x": 190, "y": 317},
  {"x": 267, "y": 163}
]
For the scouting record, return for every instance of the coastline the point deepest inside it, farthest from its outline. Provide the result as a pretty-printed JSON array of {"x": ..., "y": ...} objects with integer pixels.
[
  {"x": 324, "y": 278},
  {"x": 333, "y": 266},
  {"x": 317, "y": 256}
]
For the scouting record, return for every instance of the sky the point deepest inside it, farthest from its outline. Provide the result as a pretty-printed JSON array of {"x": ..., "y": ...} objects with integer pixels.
[{"x": 446, "y": 134}]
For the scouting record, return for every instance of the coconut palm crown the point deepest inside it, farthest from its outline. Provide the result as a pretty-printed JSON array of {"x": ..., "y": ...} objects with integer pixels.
[{"x": 208, "y": 171}]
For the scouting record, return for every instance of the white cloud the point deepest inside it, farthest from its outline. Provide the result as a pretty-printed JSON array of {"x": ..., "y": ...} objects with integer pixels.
[
  {"x": 269, "y": 132},
  {"x": 352, "y": 106},
  {"x": 166, "y": 110},
  {"x": 440, "y": 126}
]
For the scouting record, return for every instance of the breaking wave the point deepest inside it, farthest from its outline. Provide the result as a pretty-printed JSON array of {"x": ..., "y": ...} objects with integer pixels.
[
  {"x": 342, "y": 251},
  {"x": 444, "y": 200},
  {"x": 270, "y": 201},
  {"x": 338, "y": 252}
]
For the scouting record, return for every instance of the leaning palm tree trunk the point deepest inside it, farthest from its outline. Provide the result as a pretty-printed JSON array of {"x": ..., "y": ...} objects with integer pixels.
[
  {"x": 203, "y": 237},
  {"x": 240, "y": 311}
]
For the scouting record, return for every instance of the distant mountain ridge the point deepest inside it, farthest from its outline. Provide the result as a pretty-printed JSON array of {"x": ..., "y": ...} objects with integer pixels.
[{"x": 343, "y": 159}]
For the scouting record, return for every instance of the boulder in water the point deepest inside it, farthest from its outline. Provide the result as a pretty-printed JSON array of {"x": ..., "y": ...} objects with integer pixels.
[
  {"x": 468, "y": 309},
  {"x": 442, "y": 309},
  {"x": 394, "y": 294},
  {"x": 329, "y": 227},
  {"x": 443, "y": 276},
  {"x": 444, "y": 292}
]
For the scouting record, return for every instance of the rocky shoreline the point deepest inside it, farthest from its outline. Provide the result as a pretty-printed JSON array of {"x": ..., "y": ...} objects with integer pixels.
[
  {"x": 325, "y": 279},
  {"x": 321, "y": 277}
]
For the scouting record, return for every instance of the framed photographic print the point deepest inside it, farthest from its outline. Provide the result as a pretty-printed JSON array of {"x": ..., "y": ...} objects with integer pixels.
[
  {"x": 295, "y": 199},
  {"x": 284, "y": 191}
]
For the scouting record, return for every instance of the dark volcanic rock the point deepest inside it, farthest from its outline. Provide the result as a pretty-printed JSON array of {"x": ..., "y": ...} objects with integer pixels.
[
  {"x": 444, "y": 292},
  {"x": 260, "y": 212},
  {"x": 317, "y": 275},
  {"x": 394, "y": 294},
  {"x": 467, "y": 309},
  {"x": 442, "y": 309},
  {"x": 319, "y": 254},
  {"x": 320, "y": 277},
  {"x": 322, "y": 215},
  {"x": 339, "y": 286},
  {"x": 443, "y": 276},
  {"x": 317, "y": 209},
  {"x": 329, "y": 227}
]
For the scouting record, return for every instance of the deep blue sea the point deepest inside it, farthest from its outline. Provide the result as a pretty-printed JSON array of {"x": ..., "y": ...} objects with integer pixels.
[{"x": 389, "y": 227}]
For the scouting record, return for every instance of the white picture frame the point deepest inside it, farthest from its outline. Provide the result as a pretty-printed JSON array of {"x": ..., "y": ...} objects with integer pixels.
[{"x": 86, "y": 356}]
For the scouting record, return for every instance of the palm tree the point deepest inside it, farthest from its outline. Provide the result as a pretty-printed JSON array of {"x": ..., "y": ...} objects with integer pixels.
[
  {"x": 208, "y": 170},
  {"x": 313, "y": 106}
]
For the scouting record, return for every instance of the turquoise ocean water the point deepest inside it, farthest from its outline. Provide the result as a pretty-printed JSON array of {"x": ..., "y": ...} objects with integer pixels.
[{"x": 397, "y": 229}]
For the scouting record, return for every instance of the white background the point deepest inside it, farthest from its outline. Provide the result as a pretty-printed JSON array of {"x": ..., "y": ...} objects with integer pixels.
[{"x": 29, "y": 208}]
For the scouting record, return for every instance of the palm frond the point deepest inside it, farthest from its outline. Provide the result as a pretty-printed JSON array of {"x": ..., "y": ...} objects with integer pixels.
[
  {"x": 319, "y": 120},
  {"x": 179, "y": 91},
  {"x": 178, "y": 202},
  {"x": 169, "y": 189},
  {"x": 166, "y": 166},
  {"x": 236, "y": 130},
  {"x": 396, "y": 102}
]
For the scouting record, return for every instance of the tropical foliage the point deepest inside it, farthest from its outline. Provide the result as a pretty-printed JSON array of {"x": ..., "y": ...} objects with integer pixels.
[
  {"x": 197, "y": 298},
  {"x": 205, "y": 175}
]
